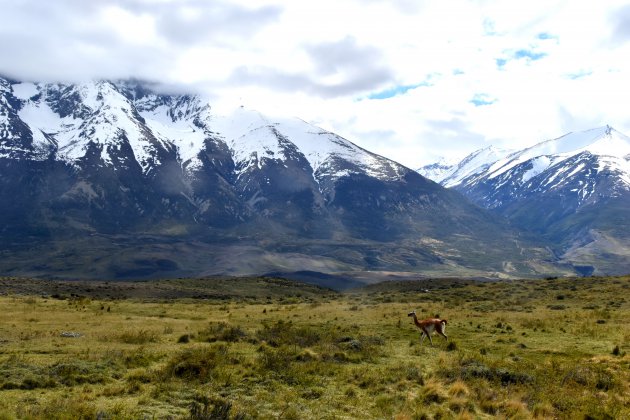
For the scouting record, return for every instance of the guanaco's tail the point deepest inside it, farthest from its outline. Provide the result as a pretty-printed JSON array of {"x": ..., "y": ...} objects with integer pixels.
[{"x": 444, "y": 321}]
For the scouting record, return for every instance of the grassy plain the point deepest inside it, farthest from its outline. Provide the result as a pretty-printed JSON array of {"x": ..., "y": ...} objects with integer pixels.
[{"x": 553, "y": 348}]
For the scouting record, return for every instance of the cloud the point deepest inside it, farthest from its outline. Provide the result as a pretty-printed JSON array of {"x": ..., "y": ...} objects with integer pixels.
[
  {"x": 344, "y": 67},
  {"x": 620, "y": 19},
  {"x": 407, "y": 79},
  {"x": 201, "y": 21},
  {"x": 75, "y": 39},
  {"x": 340, "y": 68}
]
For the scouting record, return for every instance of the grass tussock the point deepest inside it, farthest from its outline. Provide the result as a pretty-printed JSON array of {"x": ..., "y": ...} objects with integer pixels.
[
  {"x": 541, "y": 349},
  {"x": 196, "y": 364},
  {"x": 141, "y": 336}
]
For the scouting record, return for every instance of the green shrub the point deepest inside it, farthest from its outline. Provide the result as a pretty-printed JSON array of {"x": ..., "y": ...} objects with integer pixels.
[
  {"x": 80, "y": 372},
  {"x": 138, "y": 337},
  {"x": 196, "y": 364},
  {"x": 289, "y": 334},
  {"x": 212, "y": 408},
  {"x": 222, "y": 332},
  {"x": 476, "y": 369},
  {"x": 276, "y": 359}
]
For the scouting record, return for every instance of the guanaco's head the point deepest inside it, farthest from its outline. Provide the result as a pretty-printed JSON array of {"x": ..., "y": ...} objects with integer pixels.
[{"x": 412, "y": 313}]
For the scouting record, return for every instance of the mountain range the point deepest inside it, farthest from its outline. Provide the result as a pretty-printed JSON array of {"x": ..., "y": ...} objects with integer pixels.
[
  {"x": 114, "y": 180},
  {"x": 572, "y": 191},
  {"x": 117, "y": 180}
]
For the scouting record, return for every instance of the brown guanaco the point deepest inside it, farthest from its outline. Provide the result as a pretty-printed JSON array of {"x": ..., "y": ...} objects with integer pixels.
[{"x": 428, "y": 326}]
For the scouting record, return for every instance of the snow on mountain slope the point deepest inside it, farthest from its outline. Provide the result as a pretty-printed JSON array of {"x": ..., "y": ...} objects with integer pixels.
[
  {"x": 438, "y": 170},
  {"x": 250, "y": 134},
  {"x": 108, "y": 120},
  {"x": 587, "y": 164},
  {"x": 187, "y": 137},
  {"x": 473, "y": 164},
  {"x": 105, "y": 118},
  {"x": 520, "y": 168},
  {"x": 17, "y": 140},
  {"x": 602, "y": 141},
  {"x": 25, "y": 90}
]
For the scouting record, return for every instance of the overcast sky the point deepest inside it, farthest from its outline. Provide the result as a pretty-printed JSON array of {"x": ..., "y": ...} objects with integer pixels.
[{"x": 409, "y": 79}]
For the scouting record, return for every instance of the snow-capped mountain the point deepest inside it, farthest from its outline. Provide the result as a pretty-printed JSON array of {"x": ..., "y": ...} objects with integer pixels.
[
  {"x": 565, "y": 188},
  {"x": 109, "y": 116},
  {"x": 131, "y": 182},
  {"x": 450, "y": 174},
  {"x": 575, "y": 163},
  {"x": 438, "y": 170}
]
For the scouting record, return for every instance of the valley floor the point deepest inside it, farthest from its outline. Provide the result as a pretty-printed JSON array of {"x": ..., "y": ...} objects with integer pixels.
[{"x": 264, "y": 348}]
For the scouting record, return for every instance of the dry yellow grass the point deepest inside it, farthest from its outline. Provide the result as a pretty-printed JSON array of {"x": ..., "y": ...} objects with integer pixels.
[{"x": 518, "y": 350}]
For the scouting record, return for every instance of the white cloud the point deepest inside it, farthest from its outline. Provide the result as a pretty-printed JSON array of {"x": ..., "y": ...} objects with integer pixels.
[{"x": 409, "y": 80}]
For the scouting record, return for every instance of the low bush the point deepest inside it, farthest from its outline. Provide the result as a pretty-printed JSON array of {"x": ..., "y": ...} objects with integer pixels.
[
  {"x": 196, "y": 364},
  {"x": 289, "y": 334},
  {"x": 221, "y": 332},
  {"x": 138, "y": 337},
  {"x": 213, "y": 408},
  {"x": 80, "y": 372},
  {"x": 471, "y": 369}
]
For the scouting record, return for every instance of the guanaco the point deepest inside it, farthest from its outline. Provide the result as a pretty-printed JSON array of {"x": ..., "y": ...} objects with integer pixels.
[{"x": 428, "y": 326}]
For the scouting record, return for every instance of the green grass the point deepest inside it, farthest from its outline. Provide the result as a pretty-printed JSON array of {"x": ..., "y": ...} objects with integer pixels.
[{"x": 518, "y": 349}]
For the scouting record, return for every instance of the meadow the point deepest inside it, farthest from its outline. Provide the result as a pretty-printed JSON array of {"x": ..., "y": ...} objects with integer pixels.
[{"x": 271, "y": 349}]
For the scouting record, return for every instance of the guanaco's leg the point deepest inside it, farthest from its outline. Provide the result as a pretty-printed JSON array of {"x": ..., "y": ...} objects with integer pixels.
[
  {"x": 428, "y": 335},
  {"x": 440, "y": 330}
]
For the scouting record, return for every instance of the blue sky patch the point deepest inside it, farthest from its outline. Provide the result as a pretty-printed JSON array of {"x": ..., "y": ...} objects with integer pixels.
[
  {"x": 501, "y": 62},
  {"x": 529, "y": 54},
  {"x": 395, "y": 91},
  {"x": 579, "y": 74},
  {"x": 482, "y": 99}
]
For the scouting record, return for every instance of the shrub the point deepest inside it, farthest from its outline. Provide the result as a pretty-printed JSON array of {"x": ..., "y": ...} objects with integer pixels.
[
  {"x": 605, "y": 381},
  {"x": 15, "y": 373},
  {"x": 138, "y": 337},
  {"x": 276, "y": 359},
  {"x": 212, "y": 408},
  {"x": 432, "y": 393},
  {"x": 286, "y": 333},
  {"x": 222, "y": 332},
  {"x": 79, "y": 372},
  {"x": 476, "y": 369},
  {"x": 197, "y": 364}
]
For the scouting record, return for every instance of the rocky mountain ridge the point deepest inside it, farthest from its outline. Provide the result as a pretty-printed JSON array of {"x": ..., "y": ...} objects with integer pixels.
[{"x": 573, "y": 190}]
